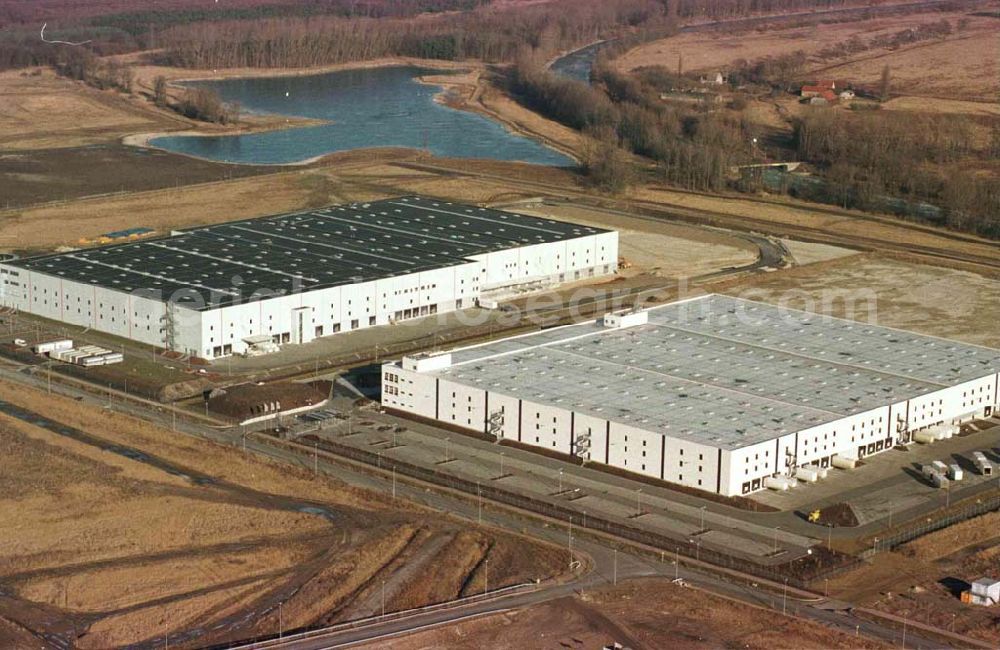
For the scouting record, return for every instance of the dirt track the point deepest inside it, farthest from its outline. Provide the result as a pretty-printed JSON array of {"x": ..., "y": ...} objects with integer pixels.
[
  {"x": 124, "y": 533},
  {"x": 640, "y": 614}
]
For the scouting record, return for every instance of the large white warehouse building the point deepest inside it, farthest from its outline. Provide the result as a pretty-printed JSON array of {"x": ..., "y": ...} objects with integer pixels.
[
  {"x": 714, "y": 393},
  {"x": 291, "y": 278}
]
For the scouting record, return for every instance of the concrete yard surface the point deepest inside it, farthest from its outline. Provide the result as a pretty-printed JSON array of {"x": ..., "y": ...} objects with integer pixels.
[{"x": 891, "y": 481}]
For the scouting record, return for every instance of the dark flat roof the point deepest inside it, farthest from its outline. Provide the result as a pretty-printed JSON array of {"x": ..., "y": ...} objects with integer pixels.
[{"x": 216, "y": 265}]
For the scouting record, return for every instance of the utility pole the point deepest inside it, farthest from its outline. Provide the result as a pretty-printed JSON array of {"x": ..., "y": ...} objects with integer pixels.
[
  {"x": 614, "y": 574},
  {"x": 394, "y": 482},
  {"x": 315, "y": 459},
  {"x": 784, "y": 597},
  {"x": 486, "y": 578},
  {"x": 677, "y": 563},
  {"x": 638, "y": 502},
  {"x": 702, "y": 518},
  {"x": 479, "y": 493},
  {"x": 383, "y": 599}
]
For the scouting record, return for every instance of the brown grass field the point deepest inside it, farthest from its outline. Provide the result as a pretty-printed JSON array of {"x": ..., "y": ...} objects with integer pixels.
[
  {"x": 962, "y": 67},
  {"x": 101, "y": 550}
]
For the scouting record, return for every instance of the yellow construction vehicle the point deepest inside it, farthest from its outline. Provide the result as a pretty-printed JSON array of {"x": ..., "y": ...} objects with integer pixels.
[{"x": 814, "y": 516}]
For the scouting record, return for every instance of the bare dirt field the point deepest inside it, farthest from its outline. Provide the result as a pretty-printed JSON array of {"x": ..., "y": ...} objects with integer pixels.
[
  {"x": 927, "y": 299},
  {"x": 962, "y": 66},
  {"x": 659, "y": 248},
  {"x": 639, "y": 614},
  {"x": 191, "y": 539},
  {"x": 922, "y": 580}
]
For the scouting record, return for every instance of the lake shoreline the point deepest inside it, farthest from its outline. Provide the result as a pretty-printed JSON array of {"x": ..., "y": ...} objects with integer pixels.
[{"x": 520, "y": 122}]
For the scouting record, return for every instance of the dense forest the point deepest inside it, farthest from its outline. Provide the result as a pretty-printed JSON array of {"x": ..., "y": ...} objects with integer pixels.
[{"x": 867, "y": 156}]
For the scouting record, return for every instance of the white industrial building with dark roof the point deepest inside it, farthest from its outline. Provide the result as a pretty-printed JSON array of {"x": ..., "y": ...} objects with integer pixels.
[
  {"x": 218, "y": 290},
  {"x": 714, "y": 393}
]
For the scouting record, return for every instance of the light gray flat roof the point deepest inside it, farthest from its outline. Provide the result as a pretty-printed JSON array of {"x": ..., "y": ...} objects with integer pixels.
[{"x": 721, "y": 371}]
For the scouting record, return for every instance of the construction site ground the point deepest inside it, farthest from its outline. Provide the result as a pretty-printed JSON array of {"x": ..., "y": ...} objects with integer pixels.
[
  {"x": 932, "y": 300},
  {"x": 121, "y": 532},
  {"x": 923, "y": 579}
]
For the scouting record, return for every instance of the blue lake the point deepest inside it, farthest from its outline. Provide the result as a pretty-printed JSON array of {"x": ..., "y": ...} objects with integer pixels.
[{"x": 376, "y": 107}]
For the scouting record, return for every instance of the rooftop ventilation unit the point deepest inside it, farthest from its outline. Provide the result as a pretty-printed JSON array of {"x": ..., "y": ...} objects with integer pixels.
[{"x": 630, "y": 319}]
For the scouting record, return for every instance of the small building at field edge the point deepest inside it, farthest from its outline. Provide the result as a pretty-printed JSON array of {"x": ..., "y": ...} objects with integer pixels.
[{"x": 714, "y": 393}]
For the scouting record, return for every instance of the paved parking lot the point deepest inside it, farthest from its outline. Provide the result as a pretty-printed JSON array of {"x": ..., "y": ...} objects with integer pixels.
[
  {"x": 589, "y": 491},
  {"x": 891, "y": 482}
]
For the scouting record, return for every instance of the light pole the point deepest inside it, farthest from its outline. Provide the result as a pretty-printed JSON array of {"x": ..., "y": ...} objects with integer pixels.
[
  {"x": 677, "y": 563},
  {"x": 479, "y": 492},
  {"x": 501, "y": 464},
  {"x": 383, "y": 599},
  {"x": 614, "y": 574},
  {"x": 394, "y": 482},
  {"x": 638, "y": 502},
  {"x": 560, "y": 481},
  {"x": 281, "y": 624},
  {"x": 486, "y": 578},
  {"x": 784, "y": 597},
  {"x": 702, "y": 518},
  {"x": 569, "y": 542},
  {"x": 776, "y": 538}
]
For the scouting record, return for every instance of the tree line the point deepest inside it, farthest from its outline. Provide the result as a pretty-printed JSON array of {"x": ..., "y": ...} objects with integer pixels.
[
  {"x": 280, "y": 33},
  {"x": 868, "y": 156},
  {"x": 692, "y": 147}
]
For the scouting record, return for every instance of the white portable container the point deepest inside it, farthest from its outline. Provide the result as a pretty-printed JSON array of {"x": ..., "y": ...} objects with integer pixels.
[
  {"x": 53, "y": 346},
  {"x": 778, "y": 483},
  {"x": 844, "y": 462},
  {"x": 807, "y": 474}
]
